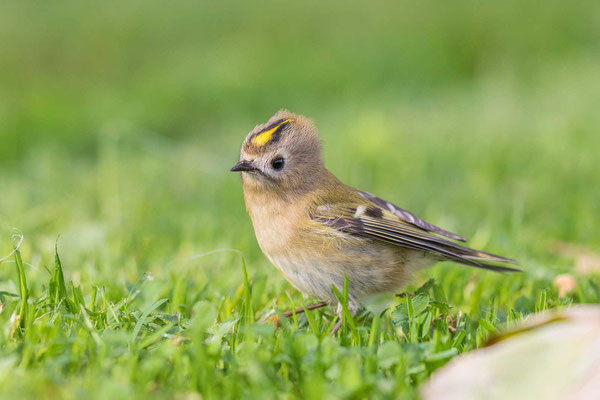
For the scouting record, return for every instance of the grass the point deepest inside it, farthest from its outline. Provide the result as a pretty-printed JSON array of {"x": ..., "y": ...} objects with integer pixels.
[
  {"x": 168, "y": 339},
  {"x": 117, "y": 130}
]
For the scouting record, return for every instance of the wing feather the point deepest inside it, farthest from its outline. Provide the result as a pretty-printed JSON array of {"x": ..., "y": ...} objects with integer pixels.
[
  {"x": 409, "y": 217},
  {"x": 383, "y": 225}
]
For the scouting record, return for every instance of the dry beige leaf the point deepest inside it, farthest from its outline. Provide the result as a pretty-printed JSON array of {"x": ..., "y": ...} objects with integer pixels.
[{"x": 554, "y": 355}]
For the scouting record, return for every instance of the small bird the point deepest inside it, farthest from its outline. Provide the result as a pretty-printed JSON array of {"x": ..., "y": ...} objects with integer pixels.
[{"x": 316, "y": 230}]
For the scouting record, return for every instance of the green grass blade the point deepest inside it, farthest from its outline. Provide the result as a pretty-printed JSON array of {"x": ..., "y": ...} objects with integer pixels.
[
  {"x": 142, "y": 319},
  {"x": 23, "y": 289}
]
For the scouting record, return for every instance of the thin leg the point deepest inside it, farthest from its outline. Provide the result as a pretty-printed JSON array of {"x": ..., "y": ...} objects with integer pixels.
[
  {"x": 336, "y": 327},
  {"x": 352, "y": 307},
  {"x": 300, "y": 310},
  {"x": 272, "y": 317}
]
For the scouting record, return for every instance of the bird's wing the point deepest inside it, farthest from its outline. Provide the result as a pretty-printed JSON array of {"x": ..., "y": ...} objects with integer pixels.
[
  {"x": 372, "y": 221},
  {"x": 409, "y": 217}
]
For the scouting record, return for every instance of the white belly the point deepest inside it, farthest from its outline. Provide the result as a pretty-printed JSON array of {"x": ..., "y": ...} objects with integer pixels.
[{"x": 310, "y": 277}]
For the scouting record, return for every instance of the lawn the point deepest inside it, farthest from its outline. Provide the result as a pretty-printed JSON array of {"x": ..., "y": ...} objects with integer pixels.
[{"x": 139, "y": 275}]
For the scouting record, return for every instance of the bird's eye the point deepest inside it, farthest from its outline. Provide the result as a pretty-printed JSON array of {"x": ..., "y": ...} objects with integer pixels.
[{"x": 277, "y": 163}]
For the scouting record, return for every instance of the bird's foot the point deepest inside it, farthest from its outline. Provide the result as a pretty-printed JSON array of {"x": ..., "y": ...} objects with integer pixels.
[{"x": 274, "y": 318}]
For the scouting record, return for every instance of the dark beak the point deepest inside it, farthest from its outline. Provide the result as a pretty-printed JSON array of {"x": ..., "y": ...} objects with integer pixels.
[{"x": 243, "y": 165}]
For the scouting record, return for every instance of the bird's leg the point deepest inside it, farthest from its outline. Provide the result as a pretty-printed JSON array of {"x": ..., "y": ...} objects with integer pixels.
[
  {"x": 300, "y": 310},
  {"x": 352, "y": 307},
  {"x": 336, "y": 327},
  {"x": 273, "y": 317}
]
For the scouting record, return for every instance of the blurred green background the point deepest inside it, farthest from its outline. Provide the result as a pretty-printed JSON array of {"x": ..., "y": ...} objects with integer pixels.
[{"x": 119, "y": 122}]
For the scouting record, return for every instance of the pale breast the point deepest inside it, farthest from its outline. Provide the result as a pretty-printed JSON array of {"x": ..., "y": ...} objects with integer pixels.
[
  {"x": 273, "y": 230},
  {"x": 291, "y": 249}
]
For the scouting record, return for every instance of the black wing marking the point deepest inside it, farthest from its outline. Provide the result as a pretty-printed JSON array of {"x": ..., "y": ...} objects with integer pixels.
[{"x": 408, "y": 216}]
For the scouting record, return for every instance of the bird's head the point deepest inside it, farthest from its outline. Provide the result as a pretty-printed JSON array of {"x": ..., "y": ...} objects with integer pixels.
[{"x": 284, "y": 154}]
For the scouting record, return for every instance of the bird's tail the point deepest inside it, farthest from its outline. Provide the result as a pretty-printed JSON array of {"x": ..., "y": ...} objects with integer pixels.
[{"x": 484, "y": 260}]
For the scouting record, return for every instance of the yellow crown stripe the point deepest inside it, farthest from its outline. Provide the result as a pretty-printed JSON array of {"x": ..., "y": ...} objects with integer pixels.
[{"x": 264, "y": 137}]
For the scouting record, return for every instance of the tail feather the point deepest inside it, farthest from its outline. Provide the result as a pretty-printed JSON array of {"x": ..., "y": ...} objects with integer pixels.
[
  {"x": 481, "y": 259},
  {"x": 484, "y": 256},
  {"x": 493, "y": 267}
]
